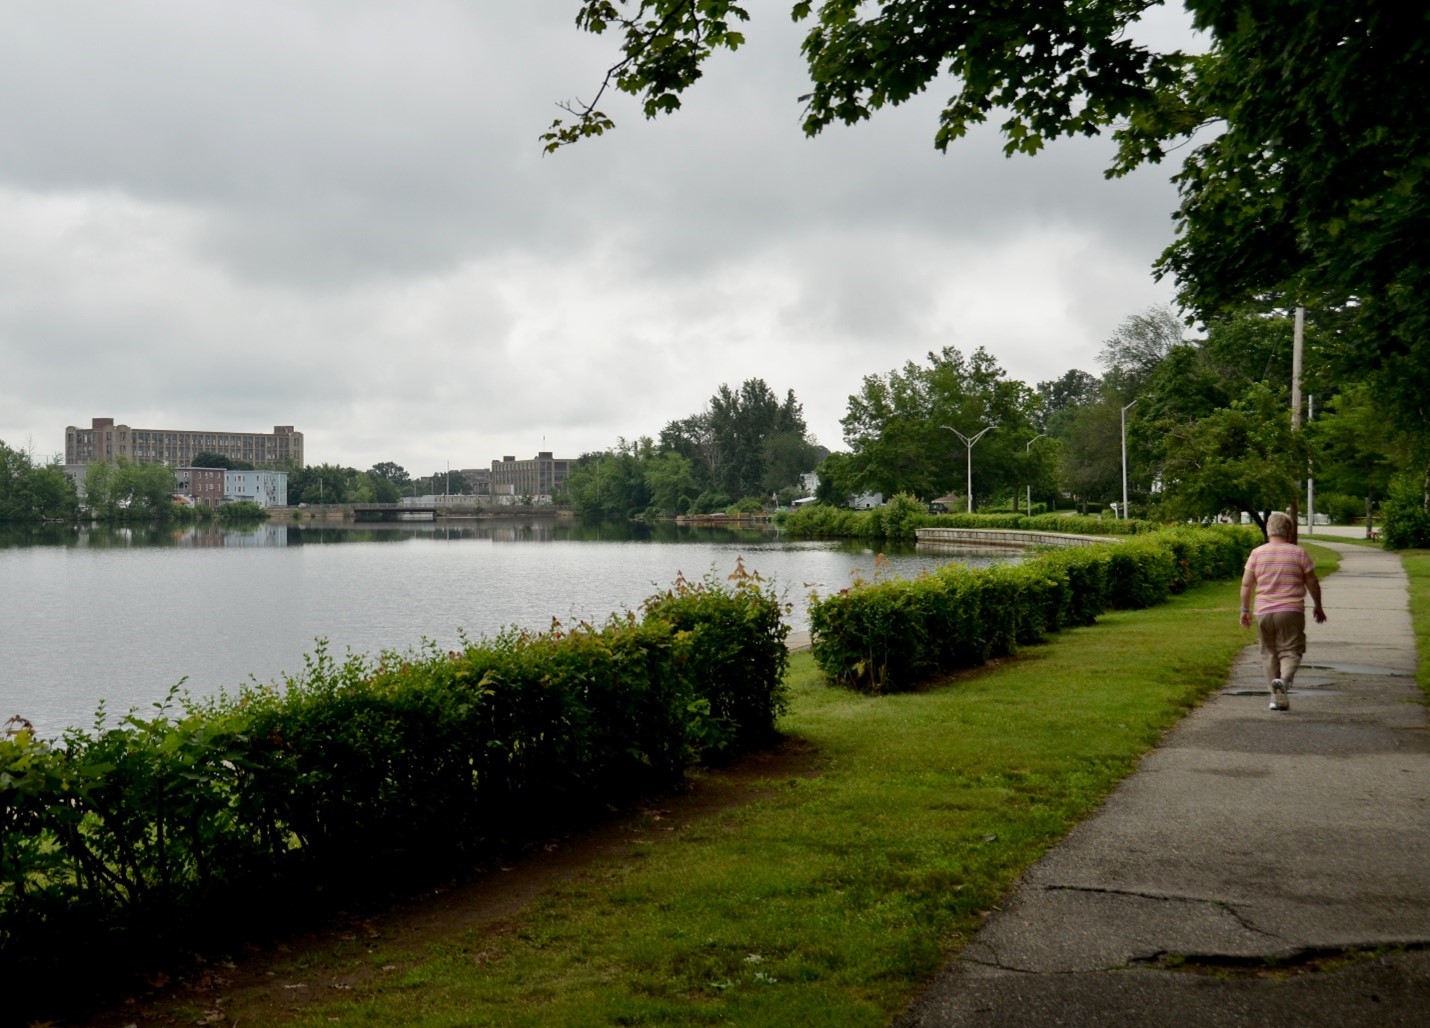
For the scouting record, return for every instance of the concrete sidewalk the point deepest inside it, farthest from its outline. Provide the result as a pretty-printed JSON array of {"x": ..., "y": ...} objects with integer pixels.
[{"x": 1260, "y": 868}]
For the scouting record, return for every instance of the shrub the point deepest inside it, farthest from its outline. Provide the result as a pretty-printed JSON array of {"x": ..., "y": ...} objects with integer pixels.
[
  {"x": 901, "y": 516},
  {"x": 735, "y": 656},
  {"x": 1340, "y": 508},
  {"x": 1404, "y": 522},
  {"x": 367, "y": 769},
  {"x": 241, "y": 511},
  {"x": 891, "y": 635}
]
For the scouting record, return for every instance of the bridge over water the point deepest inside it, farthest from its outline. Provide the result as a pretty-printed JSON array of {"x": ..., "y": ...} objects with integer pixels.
[{"x": 393, "y": 512}]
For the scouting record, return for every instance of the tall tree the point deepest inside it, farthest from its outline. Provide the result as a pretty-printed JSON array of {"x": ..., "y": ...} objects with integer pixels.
[
  {"x": 31, "y": 492},
  {"x": 390, "y": 471},
  {"x": 1242, "y": 457},
  {"x": 900, "y": 427},
  {"x": 1075, "y": 389},
  {"x": 1134, "y": 351}
]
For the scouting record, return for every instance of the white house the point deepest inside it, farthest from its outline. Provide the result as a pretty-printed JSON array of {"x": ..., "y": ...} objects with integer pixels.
[{"x": 265, "y": 488}]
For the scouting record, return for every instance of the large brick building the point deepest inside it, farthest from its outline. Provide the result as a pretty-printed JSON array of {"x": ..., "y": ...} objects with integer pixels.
[{"x": 106, "y": 442}]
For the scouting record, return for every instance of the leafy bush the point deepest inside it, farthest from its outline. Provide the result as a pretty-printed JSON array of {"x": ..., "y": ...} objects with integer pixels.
[
  {"x": 899, "y": 517},
  {"x": 903, "y": 515},
  {"x": 749, "y": 505},
  {"x": 366, "y": 768},
  {"x": 241, "y": 511},
  {"x": 1340, "y": 508},
  {"x": 736, "y": 654},
  {"x": 1404, "y": 522},
  {"x": 891, "y": 635}
]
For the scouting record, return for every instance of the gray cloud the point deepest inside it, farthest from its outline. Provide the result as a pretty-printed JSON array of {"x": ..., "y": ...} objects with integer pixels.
[{"x": 337, "y": 215}]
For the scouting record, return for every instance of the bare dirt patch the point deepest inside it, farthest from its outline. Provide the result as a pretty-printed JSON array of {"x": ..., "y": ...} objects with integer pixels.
[{"x": 265, "y": 983}]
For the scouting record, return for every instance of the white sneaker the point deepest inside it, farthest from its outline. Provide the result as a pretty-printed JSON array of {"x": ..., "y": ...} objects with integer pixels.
[{"x": 1278, "y": 696}]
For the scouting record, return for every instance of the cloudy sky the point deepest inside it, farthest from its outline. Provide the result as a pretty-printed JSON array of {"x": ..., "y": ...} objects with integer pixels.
[{"x": 336, "y": 214}]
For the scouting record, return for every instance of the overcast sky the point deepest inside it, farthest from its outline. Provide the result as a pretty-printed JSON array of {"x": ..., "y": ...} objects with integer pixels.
[{"x": 336, "y": 214}]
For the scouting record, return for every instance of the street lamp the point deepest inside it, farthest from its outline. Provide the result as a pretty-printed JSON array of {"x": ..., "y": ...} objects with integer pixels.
[
  {"x": 1124, "y": 459},
  {"x": 968, "y": 442},
  {"x": 1026, "y": 450}
]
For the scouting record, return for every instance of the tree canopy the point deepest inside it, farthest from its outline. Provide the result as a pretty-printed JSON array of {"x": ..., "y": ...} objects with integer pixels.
[
  {"x": 746, "y": 443},
  {"x": 902, "y": 427},
  {"x": 32, "y": 492},
  {"x": 1309, "y": 189}
]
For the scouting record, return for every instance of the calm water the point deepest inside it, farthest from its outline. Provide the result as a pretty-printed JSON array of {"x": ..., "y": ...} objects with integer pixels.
[{"x": 119, "y": 615}]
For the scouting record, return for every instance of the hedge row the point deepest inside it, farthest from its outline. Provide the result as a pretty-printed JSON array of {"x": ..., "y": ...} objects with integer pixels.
[
  {"x": 903, "y": 515},
  {"x": 361, "y": 768},
  {"x": 892, "y": 635}
]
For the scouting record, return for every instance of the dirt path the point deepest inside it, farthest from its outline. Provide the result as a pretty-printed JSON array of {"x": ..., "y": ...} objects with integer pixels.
[{"x": 266, "y": 984}]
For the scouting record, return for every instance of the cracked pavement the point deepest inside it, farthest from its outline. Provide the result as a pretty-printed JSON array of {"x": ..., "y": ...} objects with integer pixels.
[{"x": 1293, "y": 847}]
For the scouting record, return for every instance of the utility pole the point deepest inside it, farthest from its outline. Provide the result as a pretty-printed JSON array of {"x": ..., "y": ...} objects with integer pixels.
[
  {"x": 1296, "y": 347},
  {"x": 1310, "y": 475}
]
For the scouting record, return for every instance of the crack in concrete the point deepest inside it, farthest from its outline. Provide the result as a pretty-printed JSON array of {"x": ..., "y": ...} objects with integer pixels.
[{"x": 1163, "y": 897}]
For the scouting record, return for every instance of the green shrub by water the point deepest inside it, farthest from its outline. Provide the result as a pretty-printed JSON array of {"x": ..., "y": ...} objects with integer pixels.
[
  {"x": 903, "y": 515},
  {"x": 892, "y": 635},
  {"x": 158, "y": 828}
]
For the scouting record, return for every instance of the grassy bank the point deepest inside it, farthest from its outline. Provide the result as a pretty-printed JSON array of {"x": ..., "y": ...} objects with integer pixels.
[
  {"x": 831, "y": 898},
  {"x": 1417, "y": 567}
]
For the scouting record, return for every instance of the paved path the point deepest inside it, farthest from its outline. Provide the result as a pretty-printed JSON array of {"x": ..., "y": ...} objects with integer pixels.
[{"x": 1250, "y": 839}]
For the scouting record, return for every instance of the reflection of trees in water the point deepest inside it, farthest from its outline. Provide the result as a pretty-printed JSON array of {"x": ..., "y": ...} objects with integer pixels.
[
  {"x": 523, "y": 530},
  {"x": 500, "y": 530}
]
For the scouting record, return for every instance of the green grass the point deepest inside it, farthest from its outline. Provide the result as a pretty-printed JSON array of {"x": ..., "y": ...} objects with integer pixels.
[
  {"x": 830, "y": 899},
  {"x": 1417, "y": 567}
]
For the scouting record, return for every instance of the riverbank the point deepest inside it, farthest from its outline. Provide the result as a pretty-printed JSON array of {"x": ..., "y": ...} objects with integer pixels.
[
  {"x": 1261, "y": 868},
  {"x": 828, "y": 895}
]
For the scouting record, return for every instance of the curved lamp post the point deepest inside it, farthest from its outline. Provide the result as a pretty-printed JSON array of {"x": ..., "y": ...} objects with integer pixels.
[
  {"x": 1026, "y": 450},
  {"x": 968, "y": 441}
]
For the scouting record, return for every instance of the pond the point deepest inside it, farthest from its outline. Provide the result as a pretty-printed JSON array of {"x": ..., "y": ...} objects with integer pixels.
[{"x": 118, "y": 614}]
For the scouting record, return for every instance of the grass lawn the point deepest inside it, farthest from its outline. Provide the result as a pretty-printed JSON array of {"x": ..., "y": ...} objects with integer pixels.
[
  {"x": 1417, "y": 567},
  {"x": 830, "y": 898}
]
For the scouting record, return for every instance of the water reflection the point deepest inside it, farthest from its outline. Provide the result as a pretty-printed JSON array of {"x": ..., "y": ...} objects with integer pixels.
[
  {"x": 121, "y": 612},
  {"x": 274, "y": 533},
  {"x": 505, "y": 530}
]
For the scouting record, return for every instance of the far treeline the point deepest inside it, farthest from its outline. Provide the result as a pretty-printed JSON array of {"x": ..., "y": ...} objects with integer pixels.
[
  {"x": 32, "y": 490},
  {"x": 1208, "y": 428},
  {"x": 1296, "y": 140},
  {"x": 1207, "y": 421}
]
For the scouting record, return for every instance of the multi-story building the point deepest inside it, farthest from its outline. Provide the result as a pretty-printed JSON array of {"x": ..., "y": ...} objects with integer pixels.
[
  {"x": 543, "y": 476},
  {"x": 265, "y": 488},
  {"x": 106, "y": 442},
  {"x": 480, "y": 479},
  {"x": 204, "y": 486}
]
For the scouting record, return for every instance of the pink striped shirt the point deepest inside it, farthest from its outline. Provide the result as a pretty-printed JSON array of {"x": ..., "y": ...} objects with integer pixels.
[{"x": 1278, "y": 570}]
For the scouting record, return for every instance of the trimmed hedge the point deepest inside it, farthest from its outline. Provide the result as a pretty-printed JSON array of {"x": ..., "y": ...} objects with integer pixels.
[
  {"x": 903, "y": 516},
  {"x": 141, "y": 834},
  {"x": 892, "y": 635}
]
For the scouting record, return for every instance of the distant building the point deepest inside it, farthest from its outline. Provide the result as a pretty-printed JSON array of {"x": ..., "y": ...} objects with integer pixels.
[
  {"x": 204, "y": 487},
  {"x": 480, "y": 479},
  {"x": 545, "y": 475},
  {"x": 106, "y": 442},
  {"x": 265, "y": 488}
]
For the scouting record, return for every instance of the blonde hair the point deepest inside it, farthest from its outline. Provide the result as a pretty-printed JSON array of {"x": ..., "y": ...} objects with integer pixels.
[{"x": 1279, "y": 524}]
